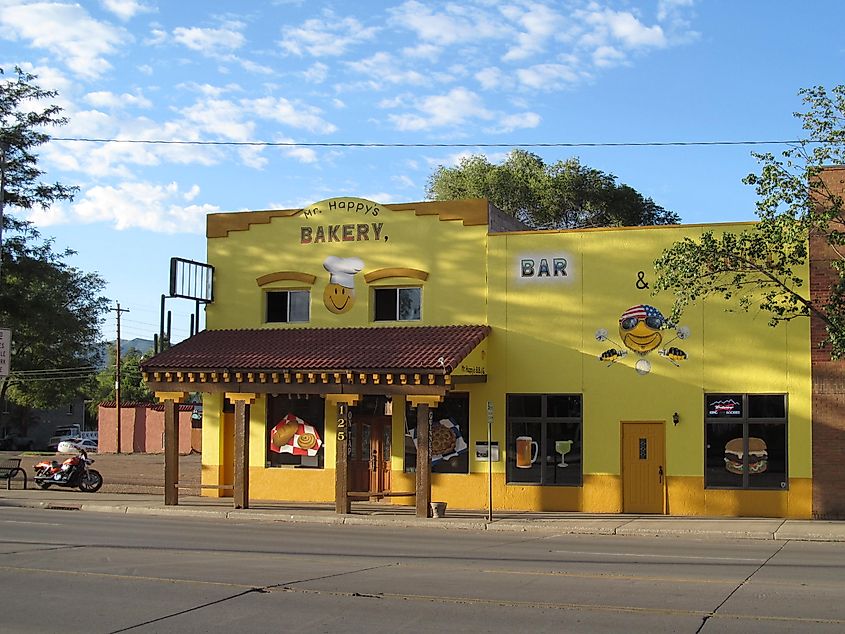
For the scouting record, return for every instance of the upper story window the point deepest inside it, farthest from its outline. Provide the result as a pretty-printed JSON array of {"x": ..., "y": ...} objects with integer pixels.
[
  {"x": 288, "y": 306},
  {"x": 397, "y": 304}
]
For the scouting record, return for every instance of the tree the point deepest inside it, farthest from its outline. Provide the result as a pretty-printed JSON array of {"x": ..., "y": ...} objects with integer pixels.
[
  {"x": 761, "y": 267},
  {"x": 22, "y": 124},
  {"x": 133, "y": 388},
  {"x": 563, "y": 195},
  {"x": 53, "y": 309}
]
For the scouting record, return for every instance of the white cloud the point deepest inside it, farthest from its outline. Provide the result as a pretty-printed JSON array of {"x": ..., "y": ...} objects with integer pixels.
[
  {"x": 454, "y": 108},
  {"x": 404, "y": 180},
  {"x": 457, "y": 23},
  {"x": 293, "y": 114},
  {"x": 141, "y": 205},
  {"x": 623, "y": 27},
  {"x": 316, "y": 73},
  {"x": 125, "y": 9},
  {"x": 106, "y": 99},
  {"x": 517, "y": 121},
  {"x": 547, "y": 76},
  {"x": 606, "y": 56},
  {"x": 254, "y": 67},
  {"x": 67, "y": 31},
  {"x": 301, "y": 154},
  {"x": 539, "y": 24},
  {"x": 423, "y": 51},
  {"x": 490, "y": 78},
  {"x": 382, "y": 67},
  {"x": 220, "y": 118},
  {"x": 330, "y": 36},
  {"x": 211, "y": 42}
]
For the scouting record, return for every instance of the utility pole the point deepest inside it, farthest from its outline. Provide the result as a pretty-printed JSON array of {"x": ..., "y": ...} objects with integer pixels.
[
  {"x": 3, "y": 149},
  {"x": 118, "y": 310}
]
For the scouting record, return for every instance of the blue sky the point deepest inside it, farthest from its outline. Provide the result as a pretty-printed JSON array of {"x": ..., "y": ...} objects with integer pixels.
[{"x": 474, "y": 71}]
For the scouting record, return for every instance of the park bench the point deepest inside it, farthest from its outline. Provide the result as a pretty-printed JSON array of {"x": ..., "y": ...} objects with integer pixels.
[{"x": 11, "y": 468}]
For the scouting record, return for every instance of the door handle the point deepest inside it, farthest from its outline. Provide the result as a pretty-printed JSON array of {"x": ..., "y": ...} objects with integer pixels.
[
  {"x": 660, "y": 473},
  {"x": 374, "y": 462}
]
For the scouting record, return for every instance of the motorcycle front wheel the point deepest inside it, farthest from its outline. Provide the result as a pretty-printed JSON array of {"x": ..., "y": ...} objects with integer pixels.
[
  {"x": 42, "y": 485},
  {"x": 91, "y": 481}
]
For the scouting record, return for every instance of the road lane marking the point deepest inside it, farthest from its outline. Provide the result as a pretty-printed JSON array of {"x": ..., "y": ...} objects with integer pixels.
[
  {"x": 756, "y": 560},
  {"x": 587, "y": 607},
  {"x": 608, "y": 576},
  {"x": 111, "y": 575}
]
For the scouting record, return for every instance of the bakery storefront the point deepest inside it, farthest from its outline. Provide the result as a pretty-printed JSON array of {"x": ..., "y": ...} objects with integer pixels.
[{"x": 358, "y": 351}]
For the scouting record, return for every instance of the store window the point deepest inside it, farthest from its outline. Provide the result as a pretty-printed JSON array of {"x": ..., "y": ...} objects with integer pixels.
[
  {"x": 288, "y": 306},
  {"x": 745, "y": 440},
  {"x": 295, "y": 431},
  {"x": 449, "y": 436},
  {"x": 397, "y": 304},
  {"x": 544, "y": 442}
]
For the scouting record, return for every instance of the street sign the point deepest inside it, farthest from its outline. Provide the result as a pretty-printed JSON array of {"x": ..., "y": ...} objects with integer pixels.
[{"x": 5, "y": 351}]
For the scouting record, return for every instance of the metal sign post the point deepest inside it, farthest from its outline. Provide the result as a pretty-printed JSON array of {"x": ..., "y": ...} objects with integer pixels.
[
  {"x": 489, "y": 461},
  {"x": 5, "y": 351}
]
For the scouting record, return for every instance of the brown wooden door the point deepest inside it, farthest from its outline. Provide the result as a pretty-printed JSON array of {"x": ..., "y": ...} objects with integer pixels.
[
  {"x": 643, "y": 463},
  {"x": 370, "y": 453}
]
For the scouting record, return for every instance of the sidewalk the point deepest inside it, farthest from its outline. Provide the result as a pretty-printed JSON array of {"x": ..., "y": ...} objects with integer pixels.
[{"x": 121, "y": 495}]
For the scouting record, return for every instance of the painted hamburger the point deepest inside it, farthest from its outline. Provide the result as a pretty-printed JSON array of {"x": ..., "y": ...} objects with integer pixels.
[{"x": 758, "y": 455}]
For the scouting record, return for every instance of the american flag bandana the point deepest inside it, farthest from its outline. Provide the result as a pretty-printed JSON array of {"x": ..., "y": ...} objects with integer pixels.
[{"x": 641, "y": 312}]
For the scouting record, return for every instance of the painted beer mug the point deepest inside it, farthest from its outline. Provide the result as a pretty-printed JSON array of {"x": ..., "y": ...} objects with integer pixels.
[{"x": 526, "y": 452}]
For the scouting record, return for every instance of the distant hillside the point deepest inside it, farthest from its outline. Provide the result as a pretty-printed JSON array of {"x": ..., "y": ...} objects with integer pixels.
[{"x": 141, "y": 345}]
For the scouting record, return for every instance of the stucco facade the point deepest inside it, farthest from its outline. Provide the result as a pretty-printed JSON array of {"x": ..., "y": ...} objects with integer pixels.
[{"x": 596, "y": 401}]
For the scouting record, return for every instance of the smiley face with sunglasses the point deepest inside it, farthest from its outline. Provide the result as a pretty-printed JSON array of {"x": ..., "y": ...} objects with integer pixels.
[{"x": 640, "y": 328}]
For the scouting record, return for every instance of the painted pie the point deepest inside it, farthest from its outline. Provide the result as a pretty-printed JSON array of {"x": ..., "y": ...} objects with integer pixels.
[{"x": 442, "y": 440}]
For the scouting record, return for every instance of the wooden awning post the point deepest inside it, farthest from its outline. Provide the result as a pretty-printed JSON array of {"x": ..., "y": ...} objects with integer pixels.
[
  {"x": 171, "y": 402},
  {"x": 423, "y": 460},
  {"x": 424, "y": 406},
  {"x": 241, "y": 484},
  {"x": 342, "y": 503}
]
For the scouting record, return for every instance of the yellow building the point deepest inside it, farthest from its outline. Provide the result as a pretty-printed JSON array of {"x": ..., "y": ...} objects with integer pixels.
[{"x": 350, "y": 324}]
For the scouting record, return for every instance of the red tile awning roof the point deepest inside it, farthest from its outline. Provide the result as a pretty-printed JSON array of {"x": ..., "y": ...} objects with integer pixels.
[{"x": 421, "y": 349}]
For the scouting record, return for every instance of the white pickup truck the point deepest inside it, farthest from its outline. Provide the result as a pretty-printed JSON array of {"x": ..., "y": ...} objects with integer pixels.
[{"x": 69, "y": 432}]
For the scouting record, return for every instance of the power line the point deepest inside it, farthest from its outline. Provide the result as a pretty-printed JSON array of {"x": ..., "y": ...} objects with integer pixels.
[
  {"x": 82, "y": 368},
  {"x": 334, "y": 144}
]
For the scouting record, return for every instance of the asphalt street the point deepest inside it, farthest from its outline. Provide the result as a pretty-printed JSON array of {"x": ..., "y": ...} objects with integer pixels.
[{"x": 73, "y": 571}]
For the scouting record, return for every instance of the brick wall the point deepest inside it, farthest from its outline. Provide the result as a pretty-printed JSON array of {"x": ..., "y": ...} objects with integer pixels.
[{"x": 828, "y": 383}]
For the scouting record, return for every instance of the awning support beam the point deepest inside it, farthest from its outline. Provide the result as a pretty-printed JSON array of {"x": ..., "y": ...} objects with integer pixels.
[
  {"x": 171, "y": 401},
  {"x": 241, "y": 485}
]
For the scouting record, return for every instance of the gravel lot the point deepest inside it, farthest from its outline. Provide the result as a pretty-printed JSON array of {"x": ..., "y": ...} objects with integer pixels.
[{"x": 128, "y": 473}]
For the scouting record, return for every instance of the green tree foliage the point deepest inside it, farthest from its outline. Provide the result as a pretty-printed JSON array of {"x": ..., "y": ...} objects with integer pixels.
[
  {"x": 762, "y": 268},
  {"x": 133, "y": 388},
  {"x": 563, "y": 195},
  {"x": 22, "y": 123},
  {"x": 53, "y": 309}
]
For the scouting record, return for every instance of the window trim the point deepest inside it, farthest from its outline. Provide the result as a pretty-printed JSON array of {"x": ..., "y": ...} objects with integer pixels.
[
  {"x": 542, "y": 420},
  {"x": 397, "y": 307},
  {"x": 745, "y": 420},
  {"x": 287, "y": 291}
]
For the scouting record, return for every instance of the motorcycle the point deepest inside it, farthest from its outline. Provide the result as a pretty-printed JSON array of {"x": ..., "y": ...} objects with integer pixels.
[{"x": 73, "y": 472}]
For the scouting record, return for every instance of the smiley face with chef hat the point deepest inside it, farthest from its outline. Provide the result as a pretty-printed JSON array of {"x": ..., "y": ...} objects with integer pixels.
[{"x": 339, "y": 295}]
